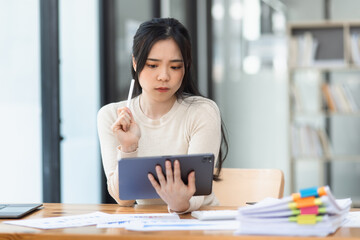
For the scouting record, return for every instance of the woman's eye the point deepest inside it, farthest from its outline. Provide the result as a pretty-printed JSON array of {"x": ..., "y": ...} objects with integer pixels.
[
  {"x": 176, "y": 67},
  {"x": 151, "y": 65}
]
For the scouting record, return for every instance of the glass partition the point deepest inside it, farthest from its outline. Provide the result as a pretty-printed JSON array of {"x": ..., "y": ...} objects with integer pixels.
[{"x": 79, "y": 101}]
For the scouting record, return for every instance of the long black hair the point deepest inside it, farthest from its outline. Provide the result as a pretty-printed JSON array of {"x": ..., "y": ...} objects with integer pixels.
[{"x": 146, "y": 36}]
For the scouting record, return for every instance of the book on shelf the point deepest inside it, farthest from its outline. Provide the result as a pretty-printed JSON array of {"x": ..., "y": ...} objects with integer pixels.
[
  {"x": 311, "y": 212},
  {"x": 354, "y": 106},
  {"x": 303, "y": 48},
  {"x": 338, "y": 98},
  {"x": 328, "y": 97},
  {"x": 324, "y": 143},
  {"x": 308, "y": 141},
  {"x": 355, "y": 47}
]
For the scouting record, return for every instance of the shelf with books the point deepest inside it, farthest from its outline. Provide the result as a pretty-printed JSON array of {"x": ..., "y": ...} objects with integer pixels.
[
  {"x": 324, "y": 89},
  {"x": 336, "y": 99},
  {"x": 324, "y": 45}
]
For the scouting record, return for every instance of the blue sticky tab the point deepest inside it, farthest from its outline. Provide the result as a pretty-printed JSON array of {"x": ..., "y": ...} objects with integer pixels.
[{"x": 309, "y": 192}]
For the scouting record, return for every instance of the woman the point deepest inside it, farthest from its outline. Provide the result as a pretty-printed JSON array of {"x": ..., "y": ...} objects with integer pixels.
[{"x": 167, "y": 117}]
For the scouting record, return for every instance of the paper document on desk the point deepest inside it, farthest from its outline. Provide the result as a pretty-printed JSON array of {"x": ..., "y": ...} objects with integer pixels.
[
  {"x": 63, "y": 222},
  {"x": 311, "y": 212},
  {"x": 122, "y": 220},
  {"x": 97, "y": 218},
  {"x": 182, "y": 224},
  {"x": 352, "y": 220}
]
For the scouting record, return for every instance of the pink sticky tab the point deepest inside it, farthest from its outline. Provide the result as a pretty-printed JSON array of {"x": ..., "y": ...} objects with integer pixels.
[{"x": 309, "y": 210}]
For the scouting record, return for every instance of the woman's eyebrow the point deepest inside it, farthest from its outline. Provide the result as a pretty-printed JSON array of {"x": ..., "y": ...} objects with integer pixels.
[{"x": 158, "y": 60}]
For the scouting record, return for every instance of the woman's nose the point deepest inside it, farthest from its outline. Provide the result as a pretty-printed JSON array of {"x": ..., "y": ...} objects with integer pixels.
[{"x": 163, "y": 75}]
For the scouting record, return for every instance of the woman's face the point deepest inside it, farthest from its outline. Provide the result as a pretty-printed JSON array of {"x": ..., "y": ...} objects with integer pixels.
[{"x": 163, "y": 72}]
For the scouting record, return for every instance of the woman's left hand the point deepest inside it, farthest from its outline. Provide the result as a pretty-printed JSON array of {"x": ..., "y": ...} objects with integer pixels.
[{"x": 172, "y": 189}]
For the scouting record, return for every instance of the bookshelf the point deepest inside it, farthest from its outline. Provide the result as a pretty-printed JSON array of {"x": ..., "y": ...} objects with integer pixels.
[{"x": 324, "y": 102}]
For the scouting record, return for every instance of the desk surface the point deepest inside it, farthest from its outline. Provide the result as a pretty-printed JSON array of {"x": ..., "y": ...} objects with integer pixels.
[{"x": 91, "y": 232}]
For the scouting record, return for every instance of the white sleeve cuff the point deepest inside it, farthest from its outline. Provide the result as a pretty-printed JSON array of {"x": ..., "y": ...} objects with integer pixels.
[
  {"x": 195, "y": 204},
  {"x": 121, "y": 154},
  {"x": 173, "y": 212}
]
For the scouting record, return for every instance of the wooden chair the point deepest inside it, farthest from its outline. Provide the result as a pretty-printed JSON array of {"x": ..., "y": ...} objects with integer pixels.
[{"x": 238, "y": 186}]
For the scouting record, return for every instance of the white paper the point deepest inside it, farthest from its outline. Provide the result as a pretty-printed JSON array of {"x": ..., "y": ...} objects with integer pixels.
[
  {"x": 122, "y": 220},
  {"x": 183, "y": 224},
  {"x": 352, "y": 220},
  {"x": 279, "y": 227},
  {"x": 63, "y": 222}
]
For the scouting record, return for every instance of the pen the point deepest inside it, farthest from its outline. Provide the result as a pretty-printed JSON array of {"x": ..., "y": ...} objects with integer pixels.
[{"x": 130, "y": 93}]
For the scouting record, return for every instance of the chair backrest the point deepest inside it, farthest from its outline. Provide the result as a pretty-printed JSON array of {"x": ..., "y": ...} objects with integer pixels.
[{"x": 238, "y": 186}]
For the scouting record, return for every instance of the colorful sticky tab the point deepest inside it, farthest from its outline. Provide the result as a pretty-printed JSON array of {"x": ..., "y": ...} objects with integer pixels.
[
  {"x": 322, "y": 191},
  {"x": 308, "y": 192},
  {"x": 309, "y": 210},
  {"x": 318, "y": 201},
  {"x": 306, "y": 219},
  {"x": 295, "y": 196},
  {"x": 305, "y": 202},
  {"x": 292, "y": 205}
]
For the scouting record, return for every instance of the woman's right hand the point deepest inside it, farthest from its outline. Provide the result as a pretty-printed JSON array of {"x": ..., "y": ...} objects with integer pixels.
[{"x": 126, "y": 130}]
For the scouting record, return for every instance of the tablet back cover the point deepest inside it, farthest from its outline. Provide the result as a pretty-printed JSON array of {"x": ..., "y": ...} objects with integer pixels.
[{"x": 134, "y": 183}]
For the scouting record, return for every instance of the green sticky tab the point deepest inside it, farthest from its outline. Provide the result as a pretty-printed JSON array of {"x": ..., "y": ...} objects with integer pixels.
[
  {"x": 295, "y": 211},
  {"x": 318, "y": 201},
  {"x": 292, "y": 205},
  {"x": 322, "y": 210}
]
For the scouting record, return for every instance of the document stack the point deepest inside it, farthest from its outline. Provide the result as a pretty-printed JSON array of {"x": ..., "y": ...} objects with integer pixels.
[{"x": 311, "y": 212}]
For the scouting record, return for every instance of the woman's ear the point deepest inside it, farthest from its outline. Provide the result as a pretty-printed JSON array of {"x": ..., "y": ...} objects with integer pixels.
[{"x": 134, "y": 63}]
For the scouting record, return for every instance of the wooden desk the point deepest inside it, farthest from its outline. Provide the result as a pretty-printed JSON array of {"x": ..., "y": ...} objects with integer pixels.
[{"x": 91, "y": 232}]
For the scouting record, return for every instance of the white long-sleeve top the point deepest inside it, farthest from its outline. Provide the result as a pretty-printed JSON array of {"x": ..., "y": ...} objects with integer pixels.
[{"x": 193, "y": 125}]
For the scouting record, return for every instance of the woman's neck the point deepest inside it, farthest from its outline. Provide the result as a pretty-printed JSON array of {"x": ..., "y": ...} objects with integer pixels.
[{"x": 153, "y": 109}]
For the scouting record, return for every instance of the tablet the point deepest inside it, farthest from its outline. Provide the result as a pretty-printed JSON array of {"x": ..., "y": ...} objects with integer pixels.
[
  {"x": 134, "y": 182},
  {"x": 16, "y": 210}
]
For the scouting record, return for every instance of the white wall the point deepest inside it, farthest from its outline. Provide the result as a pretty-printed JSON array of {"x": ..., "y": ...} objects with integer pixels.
[{"x": 20, "y": 102}]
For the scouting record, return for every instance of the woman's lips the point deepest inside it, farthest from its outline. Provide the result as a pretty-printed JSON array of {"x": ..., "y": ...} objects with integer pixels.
[{"x": 162, "y": 89}]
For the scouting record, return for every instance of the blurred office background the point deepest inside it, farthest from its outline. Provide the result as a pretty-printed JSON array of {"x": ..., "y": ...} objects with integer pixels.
[{"x": 240, "y": 52}]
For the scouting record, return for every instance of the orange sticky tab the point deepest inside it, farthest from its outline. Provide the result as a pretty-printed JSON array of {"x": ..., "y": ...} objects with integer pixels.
[
  {"x": 305, "y": 202},
  {"x": 296, "y": 196},
  {"x": 322, "y": 191}
]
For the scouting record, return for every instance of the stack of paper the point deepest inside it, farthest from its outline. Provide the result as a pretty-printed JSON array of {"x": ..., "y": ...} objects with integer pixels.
[{"x": 311, "y": 212}]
